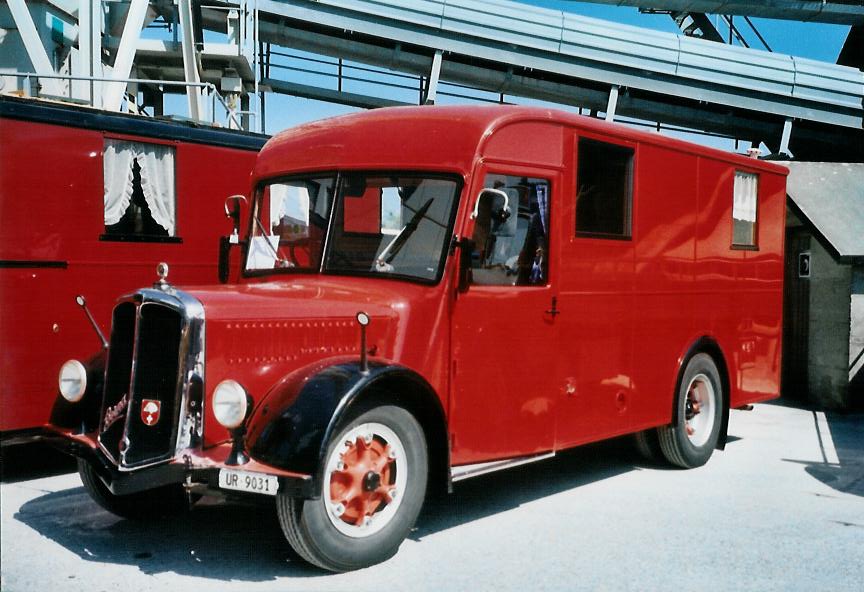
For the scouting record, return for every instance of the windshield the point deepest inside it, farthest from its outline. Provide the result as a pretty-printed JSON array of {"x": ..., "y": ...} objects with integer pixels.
[{"x": 383, "y": 224}]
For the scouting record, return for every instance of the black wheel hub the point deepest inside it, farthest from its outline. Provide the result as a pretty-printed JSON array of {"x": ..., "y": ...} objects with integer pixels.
[{"x": 371, "y": 481}]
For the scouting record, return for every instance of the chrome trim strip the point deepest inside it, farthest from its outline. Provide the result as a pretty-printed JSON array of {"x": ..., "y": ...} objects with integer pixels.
[{"x": 467, "y": 471}]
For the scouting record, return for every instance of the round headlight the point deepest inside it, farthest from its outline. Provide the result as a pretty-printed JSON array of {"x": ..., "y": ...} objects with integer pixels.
[
  {"x": 73, "y": 380},
  {"x": 230, "y": 403}
]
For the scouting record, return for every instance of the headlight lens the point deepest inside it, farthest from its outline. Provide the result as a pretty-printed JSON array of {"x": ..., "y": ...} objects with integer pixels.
[
  {"x": 230, "y": 403},
  {"x": 73, "y": 380}
]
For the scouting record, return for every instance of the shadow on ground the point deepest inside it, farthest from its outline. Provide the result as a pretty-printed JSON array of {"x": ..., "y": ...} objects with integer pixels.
[
  {"x": 243, "y": 541},
  {"x": 847, "y": 434},
  {"x": 23, "y": 462}
]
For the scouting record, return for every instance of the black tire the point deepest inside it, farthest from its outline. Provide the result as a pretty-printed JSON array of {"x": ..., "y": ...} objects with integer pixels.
[
  {"x": 647, "y": 445},
  {"x": 162, "y": 501},
  {"x": 318, "y": 534},
  {"x": 692, "y": 437}
]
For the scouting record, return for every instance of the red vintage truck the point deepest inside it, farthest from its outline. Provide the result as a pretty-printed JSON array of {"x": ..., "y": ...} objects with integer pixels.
[
  {"x": 79, "y": 218},
  {"x": 431, "y": 293}
]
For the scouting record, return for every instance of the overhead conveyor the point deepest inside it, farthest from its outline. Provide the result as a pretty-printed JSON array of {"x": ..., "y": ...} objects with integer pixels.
[
  {"x": 518, "y": 49},
  {"x": 810, "y": 109}
]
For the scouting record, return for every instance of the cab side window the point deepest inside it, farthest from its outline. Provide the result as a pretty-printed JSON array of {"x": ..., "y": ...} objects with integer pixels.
[
  {"x": 140, "y": 194},
  {"x": 512, "y": 249}
]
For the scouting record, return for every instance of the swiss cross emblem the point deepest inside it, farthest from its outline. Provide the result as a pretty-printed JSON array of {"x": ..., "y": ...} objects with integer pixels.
[{"x": 150, "y": 411}]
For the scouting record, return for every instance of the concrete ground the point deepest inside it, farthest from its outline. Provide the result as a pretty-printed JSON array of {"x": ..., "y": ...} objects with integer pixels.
[{"x": 781, "y": 509}]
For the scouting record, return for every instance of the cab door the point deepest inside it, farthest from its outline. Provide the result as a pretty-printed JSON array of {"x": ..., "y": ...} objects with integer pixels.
[{"x": 504, "y": 325}]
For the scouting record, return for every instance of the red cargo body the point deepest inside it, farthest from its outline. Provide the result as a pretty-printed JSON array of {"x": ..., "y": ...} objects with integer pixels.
[
  {"x": 432, "y": 293},
  {"x": 54, "y": 245}
]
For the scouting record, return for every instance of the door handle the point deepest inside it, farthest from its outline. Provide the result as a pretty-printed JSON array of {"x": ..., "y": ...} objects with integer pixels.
[{"x": 554, "y": 310}]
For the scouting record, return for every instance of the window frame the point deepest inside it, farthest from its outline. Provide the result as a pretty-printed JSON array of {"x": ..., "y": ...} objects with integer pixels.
[
  {"x": 338, "y": 175},
  {"x": 754, "y": 246},
  {"x": 142, "y": 238},
  {"x": 552, "y": 179},
  {"x": 630, "y": 199}
]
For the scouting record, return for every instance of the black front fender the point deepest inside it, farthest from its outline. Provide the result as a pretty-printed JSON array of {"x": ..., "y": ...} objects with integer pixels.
[{"x": 295, "y": 437}]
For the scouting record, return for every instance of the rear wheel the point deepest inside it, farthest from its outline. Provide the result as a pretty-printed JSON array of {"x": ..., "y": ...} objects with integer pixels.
[
  {"x": 647, "y": 446},
  {"x": 169, "y": 499},
  {"x": 373, "y": 487},
  {"x": 691, "y": 439}
]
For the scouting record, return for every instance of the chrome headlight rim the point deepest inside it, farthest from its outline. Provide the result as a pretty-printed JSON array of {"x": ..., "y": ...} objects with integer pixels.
[
  {"x": 72, "y": 380},
  {"x": 230, "y": 403}
]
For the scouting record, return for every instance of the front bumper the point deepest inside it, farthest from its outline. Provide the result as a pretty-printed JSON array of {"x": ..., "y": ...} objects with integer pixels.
[{"x": 195, "y": 467}]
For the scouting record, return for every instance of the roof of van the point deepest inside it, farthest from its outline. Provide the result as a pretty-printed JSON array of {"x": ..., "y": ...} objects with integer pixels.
[{"x": 438, "y": 138}]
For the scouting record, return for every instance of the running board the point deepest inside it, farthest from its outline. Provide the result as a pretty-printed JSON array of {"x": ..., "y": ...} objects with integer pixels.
[{"x": 467, "y": 471}]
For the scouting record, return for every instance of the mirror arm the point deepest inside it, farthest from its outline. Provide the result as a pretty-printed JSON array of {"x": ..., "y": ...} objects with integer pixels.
[
  {"x": 234, "y": 212},
  {"x": 498, "y": 192}
]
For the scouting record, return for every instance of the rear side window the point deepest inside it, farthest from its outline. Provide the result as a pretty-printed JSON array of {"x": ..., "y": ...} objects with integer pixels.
[
  {"x": 744, "y": 206},
  {"x": 604, "y": 190}
]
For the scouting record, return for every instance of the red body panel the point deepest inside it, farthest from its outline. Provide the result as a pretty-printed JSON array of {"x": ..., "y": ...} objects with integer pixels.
[{"x": 51, "y": 207}]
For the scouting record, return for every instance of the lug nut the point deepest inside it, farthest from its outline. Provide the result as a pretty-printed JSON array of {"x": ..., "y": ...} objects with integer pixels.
[{"x": 339, "y": 509}]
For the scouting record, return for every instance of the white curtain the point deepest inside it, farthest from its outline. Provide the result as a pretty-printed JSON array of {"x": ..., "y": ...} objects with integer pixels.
[
  {"x": 157, "y": 180},
  {"x": 117, "y": 167},
  {"x": 744, "y": 197}
]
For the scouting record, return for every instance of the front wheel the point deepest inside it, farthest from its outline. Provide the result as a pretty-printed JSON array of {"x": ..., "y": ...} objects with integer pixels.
[
  {"x": 691, "y": 439},
  {"x": 373, "y": 488}
]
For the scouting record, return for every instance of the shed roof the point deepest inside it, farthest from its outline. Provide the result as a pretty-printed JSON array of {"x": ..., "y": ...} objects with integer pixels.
[{"x": 831, "y": 196}]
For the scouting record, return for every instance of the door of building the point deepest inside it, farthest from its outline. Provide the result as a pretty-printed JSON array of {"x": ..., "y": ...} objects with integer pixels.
[{"x": 796, "y": 314}]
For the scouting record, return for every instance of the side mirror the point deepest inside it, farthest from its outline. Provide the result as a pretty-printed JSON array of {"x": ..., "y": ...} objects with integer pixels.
[
  {"x": 466, "y": 252},
  {"x": 489, "y": 195},
  {"x": 232, "y": 211}
]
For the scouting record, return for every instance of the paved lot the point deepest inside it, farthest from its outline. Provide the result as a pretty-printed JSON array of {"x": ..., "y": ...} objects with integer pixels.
[{"x": 781, "y": 509}]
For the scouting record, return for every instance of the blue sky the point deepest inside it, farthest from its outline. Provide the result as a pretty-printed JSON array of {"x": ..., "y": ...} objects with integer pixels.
[{"x": 810, "y": 40}]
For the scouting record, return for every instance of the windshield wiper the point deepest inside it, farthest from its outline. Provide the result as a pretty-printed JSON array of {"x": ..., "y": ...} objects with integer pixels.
[
  {"x": 391, "y": 250},
  {"x": 281, "y": 262}
]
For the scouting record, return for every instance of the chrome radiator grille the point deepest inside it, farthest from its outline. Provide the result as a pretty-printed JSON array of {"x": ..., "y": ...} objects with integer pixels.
[{"x": 143, "y": 386}]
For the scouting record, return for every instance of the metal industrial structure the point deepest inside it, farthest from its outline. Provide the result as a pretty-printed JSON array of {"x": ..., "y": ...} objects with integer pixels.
[{"x": 225, "y": 49}]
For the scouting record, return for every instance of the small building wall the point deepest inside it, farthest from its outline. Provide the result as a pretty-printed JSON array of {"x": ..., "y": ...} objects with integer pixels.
[{"x": 829, "y": 328}]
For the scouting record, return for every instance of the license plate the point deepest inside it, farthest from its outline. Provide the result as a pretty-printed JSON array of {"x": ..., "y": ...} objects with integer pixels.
[{"x": 245, "y": 481}]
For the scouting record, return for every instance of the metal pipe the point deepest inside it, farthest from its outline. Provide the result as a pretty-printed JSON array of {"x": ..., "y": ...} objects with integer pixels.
[{"x": 208, "y": 86}]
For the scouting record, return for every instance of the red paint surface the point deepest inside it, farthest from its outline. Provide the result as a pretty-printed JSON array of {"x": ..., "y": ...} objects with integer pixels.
[
  {"x": 51, "y": 207},
  {"x": 513, "y": 379}
]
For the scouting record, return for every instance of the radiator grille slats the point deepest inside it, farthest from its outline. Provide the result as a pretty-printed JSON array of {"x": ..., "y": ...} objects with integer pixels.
[{"x": 144, "y": 353}]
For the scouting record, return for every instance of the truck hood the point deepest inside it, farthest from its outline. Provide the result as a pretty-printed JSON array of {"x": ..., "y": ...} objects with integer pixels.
[{"x": 306, "y": 298}]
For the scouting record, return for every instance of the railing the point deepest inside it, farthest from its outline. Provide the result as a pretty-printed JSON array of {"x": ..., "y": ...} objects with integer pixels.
[{"x": 210, "y": 91}]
